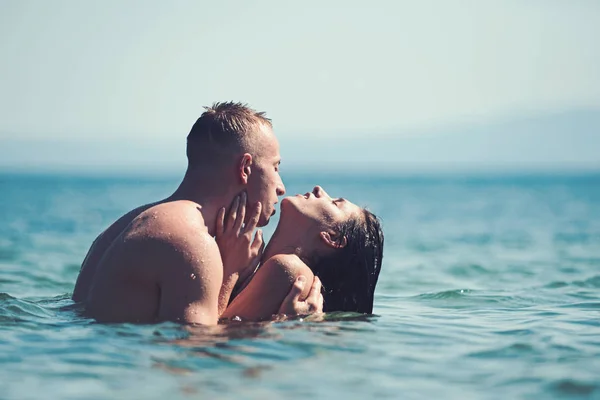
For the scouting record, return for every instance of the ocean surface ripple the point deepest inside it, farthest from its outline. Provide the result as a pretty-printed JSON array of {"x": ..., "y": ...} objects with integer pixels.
[{"x": 490, "y": 288}]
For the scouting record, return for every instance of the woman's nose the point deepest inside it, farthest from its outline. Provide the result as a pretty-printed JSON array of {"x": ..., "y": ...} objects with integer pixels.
[{"x": 318, "y": 191}]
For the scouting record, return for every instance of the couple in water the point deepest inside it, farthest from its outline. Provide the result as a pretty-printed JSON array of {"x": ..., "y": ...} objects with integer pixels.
[{"x": 196, "y": 256}]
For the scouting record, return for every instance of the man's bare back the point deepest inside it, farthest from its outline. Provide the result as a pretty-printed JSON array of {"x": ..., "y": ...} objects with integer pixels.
[
  {"x": 158, "y": 262},
  {"x": 97, "y": 250}
]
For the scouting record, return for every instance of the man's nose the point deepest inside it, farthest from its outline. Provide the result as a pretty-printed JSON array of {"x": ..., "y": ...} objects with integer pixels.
[{"x": 280, "y": 189}]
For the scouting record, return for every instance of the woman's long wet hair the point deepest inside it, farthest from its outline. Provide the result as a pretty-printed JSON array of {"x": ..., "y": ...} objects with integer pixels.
[{"x": 349, "y": 275}]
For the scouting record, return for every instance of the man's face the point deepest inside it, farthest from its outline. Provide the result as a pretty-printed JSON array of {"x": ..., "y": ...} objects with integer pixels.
[{"x": 264, "y": 183}]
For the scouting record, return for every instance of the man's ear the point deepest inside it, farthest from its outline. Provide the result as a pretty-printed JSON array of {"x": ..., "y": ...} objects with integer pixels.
[
  {"x": 333, "y": 240},
  {"x": 245, "y": 168}
]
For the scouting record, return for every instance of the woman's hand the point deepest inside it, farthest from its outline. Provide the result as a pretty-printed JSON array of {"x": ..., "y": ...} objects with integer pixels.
[
  {"x": 240, "y": 253},
  {"x": 313, "y": 304}
]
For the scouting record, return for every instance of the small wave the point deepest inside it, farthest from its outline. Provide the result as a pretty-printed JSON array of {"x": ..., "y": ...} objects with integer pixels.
[
  {"x": 475, "y": 239},
  {"x": 469, "y": 270},
  {"x": 61, "y": 302},
  {"x": 8, "y": 253},
  {"x": 514, "y": 350},
  {"x": 556, "y": 285},
  {"x": 15, "y": 310},
  {"x": 572, "y": 387},
  {"x": 4, "y": 297},
  {"x": 593, "y": 283},
  {"x": 445, "y": 295},
  {"x": 591, "y": 305},
  {"x": 465, "y": 298},
  {"x": 515, "y": 332},
  {"x": 426, "y": 247},
  {"x": 72, "y": 268},
  {"x": 348, "y": 316},
  {"x": 51, "y": 301},
  {"x": 573, "y": 238}
]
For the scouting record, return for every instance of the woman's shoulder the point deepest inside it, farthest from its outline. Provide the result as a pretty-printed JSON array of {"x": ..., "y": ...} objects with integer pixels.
[{"x": 288, "y": 265}]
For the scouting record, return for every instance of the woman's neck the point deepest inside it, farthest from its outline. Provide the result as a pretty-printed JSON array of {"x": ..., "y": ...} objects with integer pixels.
[{"x": 288, "y": 241}]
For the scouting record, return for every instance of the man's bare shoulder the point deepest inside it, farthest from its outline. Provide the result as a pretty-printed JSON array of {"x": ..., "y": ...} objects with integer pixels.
[
  {"x": 104, "y": 239},
  {"x": 171, "y": 221},
  {"x": 170, "y": 236}
]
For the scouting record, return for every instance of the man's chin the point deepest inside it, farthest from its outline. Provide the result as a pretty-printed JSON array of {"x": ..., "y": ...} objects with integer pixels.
[{"x": 264, "y": 219}]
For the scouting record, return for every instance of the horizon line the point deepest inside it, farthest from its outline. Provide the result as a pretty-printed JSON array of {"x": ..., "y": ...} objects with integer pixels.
[{"x": 382, "y": 171}]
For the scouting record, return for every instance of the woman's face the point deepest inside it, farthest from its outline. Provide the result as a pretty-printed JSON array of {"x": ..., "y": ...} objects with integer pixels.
[{"x": 318, "y": 207}]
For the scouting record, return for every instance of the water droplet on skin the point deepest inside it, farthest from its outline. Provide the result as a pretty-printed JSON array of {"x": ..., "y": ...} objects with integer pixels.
[{"x": 193, "y": 276}]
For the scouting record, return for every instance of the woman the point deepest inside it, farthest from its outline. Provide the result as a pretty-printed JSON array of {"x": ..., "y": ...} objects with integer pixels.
[{"x": 317, "y": 236}]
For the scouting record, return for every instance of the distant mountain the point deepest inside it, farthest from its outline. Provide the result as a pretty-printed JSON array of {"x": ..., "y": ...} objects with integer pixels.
[
  {"x": 566, "y": 140},
  {"x": 569, "y": 139}
]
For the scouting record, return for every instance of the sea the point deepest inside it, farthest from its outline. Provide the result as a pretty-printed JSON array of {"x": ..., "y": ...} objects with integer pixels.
[{"x": 490, "y": 289}]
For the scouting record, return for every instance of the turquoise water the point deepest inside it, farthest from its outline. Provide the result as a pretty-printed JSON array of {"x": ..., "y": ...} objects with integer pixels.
[{"x": 490, "y": 288}]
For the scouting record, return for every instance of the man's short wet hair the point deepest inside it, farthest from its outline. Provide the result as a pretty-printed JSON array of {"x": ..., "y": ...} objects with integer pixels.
[{"x": 224, "y": 128}]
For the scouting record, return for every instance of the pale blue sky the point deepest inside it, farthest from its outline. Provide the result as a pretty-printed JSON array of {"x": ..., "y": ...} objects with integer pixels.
[{"x": 118, "y": 84}]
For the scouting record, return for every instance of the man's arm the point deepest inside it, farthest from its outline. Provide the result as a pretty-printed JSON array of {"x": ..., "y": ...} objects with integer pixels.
[{"x": 191, "y": 282}]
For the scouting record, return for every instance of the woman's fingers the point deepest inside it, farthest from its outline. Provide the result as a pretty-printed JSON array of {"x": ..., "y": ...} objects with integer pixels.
[
  {"x": 313, "y": 303},
  {"x": 320, "y": 304},
  {"x": 254, "y": 217},
  {"x": 241, "y": 213},
  {"x": 233, "y": 213},
  {"x": 292, "y": 300},
  {"x": 261, "y": 250},
  {"x": 258, "y": 242},
  {"x": 256, "y": 251},
  {"x": 315, "y": 298},
  {"x": 220, "y": 221},
  {"x": 256, "y": 248},
  {"x": 297, "y": 289}
]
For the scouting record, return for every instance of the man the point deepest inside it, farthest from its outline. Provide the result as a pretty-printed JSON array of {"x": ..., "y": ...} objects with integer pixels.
[{"x": 161, "y": 261}]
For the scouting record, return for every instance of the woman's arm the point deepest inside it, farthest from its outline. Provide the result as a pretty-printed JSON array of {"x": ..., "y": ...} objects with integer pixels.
[
  {"x": 239, "y": 252},
  {"x": 262, "y": 297}
]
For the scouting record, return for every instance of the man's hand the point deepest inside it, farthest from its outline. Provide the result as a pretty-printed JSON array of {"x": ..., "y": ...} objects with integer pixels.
[
  {"x": 240, "y": 254},
  {"x": 313, "y": 304}
]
